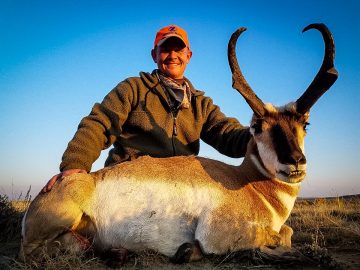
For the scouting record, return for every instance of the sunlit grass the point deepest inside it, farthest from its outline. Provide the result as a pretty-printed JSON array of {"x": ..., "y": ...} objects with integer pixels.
[{"x": 327, "y": 222}]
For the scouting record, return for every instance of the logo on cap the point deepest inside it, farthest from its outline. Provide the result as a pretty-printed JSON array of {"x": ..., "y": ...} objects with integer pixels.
[{"x": 171, "y": 31}]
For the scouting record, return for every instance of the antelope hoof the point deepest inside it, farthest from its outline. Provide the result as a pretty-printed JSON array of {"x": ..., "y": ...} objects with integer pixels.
[
  {"x": 187, "y": 252},
  {"x": 116, "y": 257},
  {"x": 286, "y": 233},
  {"x": 274, "y": 240}
]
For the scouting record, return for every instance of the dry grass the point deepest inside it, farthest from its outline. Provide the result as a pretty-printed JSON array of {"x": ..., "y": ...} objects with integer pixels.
[
  {"x": 331, "y": 223},
  {"x": 323, "y": 228}
]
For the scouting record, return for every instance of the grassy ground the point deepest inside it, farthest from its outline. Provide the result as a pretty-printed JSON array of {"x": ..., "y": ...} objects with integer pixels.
[{"x": 326, "y": 233}]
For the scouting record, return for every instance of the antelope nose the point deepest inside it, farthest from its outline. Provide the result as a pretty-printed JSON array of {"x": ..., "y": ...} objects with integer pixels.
[{"x": 297, "y": 158}]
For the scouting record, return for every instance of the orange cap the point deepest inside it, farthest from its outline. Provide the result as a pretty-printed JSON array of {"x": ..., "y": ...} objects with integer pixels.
[{"x": 171, "y": 31}]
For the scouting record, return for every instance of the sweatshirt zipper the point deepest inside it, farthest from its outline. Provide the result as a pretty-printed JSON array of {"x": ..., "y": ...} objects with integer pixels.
[
  {"x": 175, "y": 133},
  {"x": 175, "y": 128}
]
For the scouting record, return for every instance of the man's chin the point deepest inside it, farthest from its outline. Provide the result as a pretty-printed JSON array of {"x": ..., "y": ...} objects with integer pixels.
[{"x": 173, "y": 73}]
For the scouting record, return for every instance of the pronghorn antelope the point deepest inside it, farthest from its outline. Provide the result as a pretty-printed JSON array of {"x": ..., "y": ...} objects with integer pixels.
[{"x": 184, "y": 207}]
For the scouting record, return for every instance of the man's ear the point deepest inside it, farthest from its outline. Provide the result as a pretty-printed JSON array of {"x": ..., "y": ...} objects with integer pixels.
[
  {"x": 189, "y": 55},
  {"x": 153, "y": 55}
]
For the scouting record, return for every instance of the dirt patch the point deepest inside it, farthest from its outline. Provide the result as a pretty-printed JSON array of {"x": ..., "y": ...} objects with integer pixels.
[{"x": 349, "y": 258}]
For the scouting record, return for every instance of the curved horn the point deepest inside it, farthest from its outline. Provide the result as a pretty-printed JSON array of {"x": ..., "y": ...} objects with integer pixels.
[
  {"x": 239, "y": 83},
  {"x": 325, "y": 77}
]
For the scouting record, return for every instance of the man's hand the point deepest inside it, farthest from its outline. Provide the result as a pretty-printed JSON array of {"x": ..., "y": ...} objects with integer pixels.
[{"x": 59, "y": 177}]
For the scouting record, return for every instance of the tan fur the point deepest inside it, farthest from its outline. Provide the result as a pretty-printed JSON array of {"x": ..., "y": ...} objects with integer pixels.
[{"x": 242, "y": 189}]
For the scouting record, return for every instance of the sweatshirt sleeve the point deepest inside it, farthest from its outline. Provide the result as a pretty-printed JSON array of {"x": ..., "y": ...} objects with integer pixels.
[
  {"x": 223, "y": 133},
  {"x": 99, "y": 129}
]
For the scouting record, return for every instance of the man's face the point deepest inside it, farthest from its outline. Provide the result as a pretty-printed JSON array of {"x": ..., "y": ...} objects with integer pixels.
[{"x": 172, "y": 57}]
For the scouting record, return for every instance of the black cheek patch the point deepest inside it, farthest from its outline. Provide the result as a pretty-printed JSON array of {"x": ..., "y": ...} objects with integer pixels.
[
  {"x": 280, "y": 142},
  {"x": 286, "y": 147}
]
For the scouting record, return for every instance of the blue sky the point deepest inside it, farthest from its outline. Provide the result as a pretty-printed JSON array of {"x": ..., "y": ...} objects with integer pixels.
[{"x": 57, "y": 58}]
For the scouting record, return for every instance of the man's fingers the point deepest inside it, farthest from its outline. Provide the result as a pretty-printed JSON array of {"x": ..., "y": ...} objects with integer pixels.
[
  {"x": 59, "y": 177},
  {"x": 51, "y": 183},
  {"x": 43, "y": 190}
]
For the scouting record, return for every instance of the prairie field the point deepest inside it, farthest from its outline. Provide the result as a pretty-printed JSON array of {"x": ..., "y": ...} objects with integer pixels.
[{"x": 326, "y": 236}]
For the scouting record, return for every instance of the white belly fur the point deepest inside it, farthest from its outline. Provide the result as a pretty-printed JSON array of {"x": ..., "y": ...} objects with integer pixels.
[{"x": 140, "y": 215}]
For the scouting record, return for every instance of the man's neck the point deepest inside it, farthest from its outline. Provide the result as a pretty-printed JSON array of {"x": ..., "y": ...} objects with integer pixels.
[{"x": 178, "y": 81}]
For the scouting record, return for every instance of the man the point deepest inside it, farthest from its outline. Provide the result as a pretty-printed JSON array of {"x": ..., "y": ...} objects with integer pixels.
[{"x": 159, "y": 114}]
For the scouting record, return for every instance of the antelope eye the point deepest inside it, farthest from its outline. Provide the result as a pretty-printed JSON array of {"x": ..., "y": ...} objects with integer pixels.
[
  {"x": 258, "y": 126},
  {"x": 306, "y": 124}
]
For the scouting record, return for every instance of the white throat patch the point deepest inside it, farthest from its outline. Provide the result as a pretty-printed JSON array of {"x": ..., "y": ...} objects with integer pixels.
[{"x": 258, "y": 165}]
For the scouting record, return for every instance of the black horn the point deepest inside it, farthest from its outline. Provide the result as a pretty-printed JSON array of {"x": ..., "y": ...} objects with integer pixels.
[
  {"x": 239, "y": 83},
  {"x": 325, "y": 77}
]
